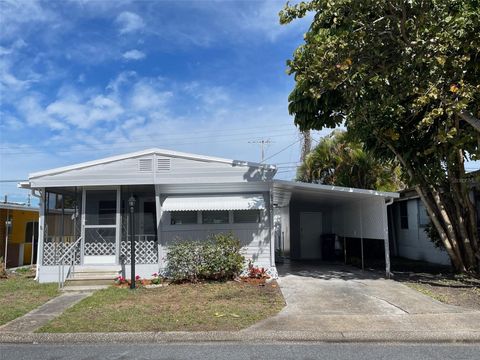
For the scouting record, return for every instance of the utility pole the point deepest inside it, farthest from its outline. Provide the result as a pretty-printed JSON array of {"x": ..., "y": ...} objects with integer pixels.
[{"x": 262, "y": 143}]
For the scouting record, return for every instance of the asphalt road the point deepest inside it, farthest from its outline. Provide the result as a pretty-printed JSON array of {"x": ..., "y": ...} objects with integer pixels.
[{"x": 243, "y": 351}]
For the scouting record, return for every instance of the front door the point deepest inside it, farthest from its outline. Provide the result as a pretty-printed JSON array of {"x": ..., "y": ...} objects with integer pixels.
[
  {"x": 310, "y": 232},
  {"x": 100, "y": 237}
]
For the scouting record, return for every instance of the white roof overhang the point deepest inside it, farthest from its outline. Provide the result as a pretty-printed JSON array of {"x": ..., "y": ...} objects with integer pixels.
[
  {"x": 214, "y": 202},
  {"x": 284, "y": 191}
]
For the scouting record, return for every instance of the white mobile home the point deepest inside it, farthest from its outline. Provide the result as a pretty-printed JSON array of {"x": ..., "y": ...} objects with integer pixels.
[{"x": 84, "y": 211}]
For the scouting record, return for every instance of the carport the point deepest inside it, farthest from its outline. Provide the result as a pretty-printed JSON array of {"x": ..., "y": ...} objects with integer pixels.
[{"x": 317, "y": 222}]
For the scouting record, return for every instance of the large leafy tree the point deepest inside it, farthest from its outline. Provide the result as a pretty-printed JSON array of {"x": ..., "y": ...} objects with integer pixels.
[
  {"x": 403, "y": 76},
  {"x": 337, "y": 160}
]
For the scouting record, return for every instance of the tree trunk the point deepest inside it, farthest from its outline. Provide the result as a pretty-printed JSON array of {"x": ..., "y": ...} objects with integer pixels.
[
  {"x": 450, "y": 244},
  {"x": 441, "y": 215}
]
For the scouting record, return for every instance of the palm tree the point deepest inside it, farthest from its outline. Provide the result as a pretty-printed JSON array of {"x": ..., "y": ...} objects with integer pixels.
[{"x": 338, "y": 160}]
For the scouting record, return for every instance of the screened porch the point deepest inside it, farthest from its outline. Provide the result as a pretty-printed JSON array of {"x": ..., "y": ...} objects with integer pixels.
[{"x": 91, "y": 224}]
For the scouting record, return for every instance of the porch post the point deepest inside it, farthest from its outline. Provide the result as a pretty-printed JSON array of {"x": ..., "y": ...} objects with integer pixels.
[
  {"x": 82, "y": 226},
  {"x": 118, "y": 229},
  {"x": 159, "y": 213},
  {"x": 41, "y": 233}
]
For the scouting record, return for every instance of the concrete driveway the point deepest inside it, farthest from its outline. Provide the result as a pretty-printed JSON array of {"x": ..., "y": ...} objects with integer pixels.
[{"x": 342, "y": 298}]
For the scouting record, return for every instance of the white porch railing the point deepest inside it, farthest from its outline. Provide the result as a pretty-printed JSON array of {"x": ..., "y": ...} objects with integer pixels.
[
  {"x": 68, "y": 259},
  {"x": 57, "y": 250}
]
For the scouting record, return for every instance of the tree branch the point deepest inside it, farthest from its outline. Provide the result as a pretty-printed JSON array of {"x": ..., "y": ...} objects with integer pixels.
[{"x": 472, "y": 120}]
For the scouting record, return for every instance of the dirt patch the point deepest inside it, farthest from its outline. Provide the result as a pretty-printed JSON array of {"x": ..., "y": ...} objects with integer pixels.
[{"x": 450, "y": 289}]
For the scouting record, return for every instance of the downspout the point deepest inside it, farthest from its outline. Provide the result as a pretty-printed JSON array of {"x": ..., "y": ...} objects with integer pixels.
[{"x": 386, "y": 240}]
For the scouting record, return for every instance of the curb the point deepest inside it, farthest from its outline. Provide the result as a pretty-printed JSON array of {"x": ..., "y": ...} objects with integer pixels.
[{"x": 243, "y": 336}]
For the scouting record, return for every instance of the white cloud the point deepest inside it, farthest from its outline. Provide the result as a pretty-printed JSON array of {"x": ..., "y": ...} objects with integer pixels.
[
  {"x": 133, "y": 55},
  {"x": 35, "y": 115},
  {"x": 121, "y": 79},
  {"x": 84, "y": 115},
  {"x": 145, "y": 97},
  {"x": 129, "y": 22},
  {"x": 10, "y": 122},
  {"x": 18, "y": 15}
]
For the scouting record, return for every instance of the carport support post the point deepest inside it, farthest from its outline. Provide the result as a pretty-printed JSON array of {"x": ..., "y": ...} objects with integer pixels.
[
  {"x": 361, "y": 245},
  {"x": 361, "y": 236},
  {"x": 385, "y": 240}
]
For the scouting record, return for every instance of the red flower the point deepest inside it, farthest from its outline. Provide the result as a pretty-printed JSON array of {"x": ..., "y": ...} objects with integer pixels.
[{"x": 137, "y": 277}]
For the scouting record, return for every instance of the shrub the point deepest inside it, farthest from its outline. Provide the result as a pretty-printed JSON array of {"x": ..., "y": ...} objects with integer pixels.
[
  {"x": 3, "y": 270},
  {"x": 183, "y": 261},
  {"x": 217, "y": 258},
  {"x": 255, "y": 272}
]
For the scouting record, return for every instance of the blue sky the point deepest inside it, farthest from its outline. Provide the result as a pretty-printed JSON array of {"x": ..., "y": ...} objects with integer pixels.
[{"x": 80, "y": 80}]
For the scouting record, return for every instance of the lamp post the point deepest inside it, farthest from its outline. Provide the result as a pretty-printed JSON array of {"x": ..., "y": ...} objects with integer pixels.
[
  {"x": 131, "y": 204},
  {"x": 8, "y": 226}
]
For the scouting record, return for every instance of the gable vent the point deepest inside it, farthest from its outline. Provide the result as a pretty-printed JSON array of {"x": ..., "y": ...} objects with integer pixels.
[
  {"x": 145, "y": 165},
  {"x": 163, "y": 165}
]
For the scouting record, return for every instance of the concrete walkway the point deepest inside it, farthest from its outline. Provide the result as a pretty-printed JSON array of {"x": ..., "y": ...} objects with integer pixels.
[
  {"x": 35, "y": 319},
  {"x": 334, "y": 298}
]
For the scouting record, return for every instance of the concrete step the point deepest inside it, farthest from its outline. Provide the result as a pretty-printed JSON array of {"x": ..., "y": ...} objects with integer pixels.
[
  {"x": 93, "y": 277},
  {"x": 89, "y": 281},
  {"x": 81, "y": 288}
]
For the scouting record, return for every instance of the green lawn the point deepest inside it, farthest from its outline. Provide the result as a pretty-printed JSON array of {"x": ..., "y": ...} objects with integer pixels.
[
  {"x": 19, "y": 294},
  {"x": 183, "y": 307}
]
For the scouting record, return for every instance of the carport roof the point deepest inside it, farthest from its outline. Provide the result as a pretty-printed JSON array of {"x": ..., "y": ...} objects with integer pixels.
[{"x": 284, "y": 190}]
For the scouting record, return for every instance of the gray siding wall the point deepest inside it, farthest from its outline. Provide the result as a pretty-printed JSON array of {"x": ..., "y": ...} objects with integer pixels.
[
  {"x": 254, "y": 238},
  {"x": 413, "y": 243}
]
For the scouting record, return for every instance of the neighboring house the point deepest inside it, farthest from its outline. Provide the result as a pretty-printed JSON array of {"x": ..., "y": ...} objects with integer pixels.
[
  {"x": 408, "y": 220},
  {"x": 85, "y": 212},
  {"x": 22, "y": 234}
]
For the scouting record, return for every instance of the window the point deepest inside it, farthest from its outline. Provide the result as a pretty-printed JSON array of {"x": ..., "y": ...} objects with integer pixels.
[
  {"x": 246, "y": 216},
  {"x": 31, "y": 231},
  {"x": 215, "y": 217},
  {"x": 403, "y": 215},
  {"x": 106, "y": 212},
  {"x": 423, "y": 218},
  {"x": 183, "y": 217}
]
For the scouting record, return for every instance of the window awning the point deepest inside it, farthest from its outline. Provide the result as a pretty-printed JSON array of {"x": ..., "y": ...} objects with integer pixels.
[{"x": 214, "y": 202}]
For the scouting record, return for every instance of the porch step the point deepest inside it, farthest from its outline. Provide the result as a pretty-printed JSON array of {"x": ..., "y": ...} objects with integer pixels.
[
  {"x": 80, "y": 288},
  {"x": 92, "y": 277}
]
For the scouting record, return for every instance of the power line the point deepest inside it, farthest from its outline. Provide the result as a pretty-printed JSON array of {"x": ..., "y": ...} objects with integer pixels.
[
  {"x": 285, "y": 148},
  {"x": 136, "y": 145},
  {"x": 223, "y": 133}
]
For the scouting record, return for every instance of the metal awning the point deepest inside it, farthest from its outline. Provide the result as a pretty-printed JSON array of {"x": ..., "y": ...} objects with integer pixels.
[{"x": 214, "y": 202}]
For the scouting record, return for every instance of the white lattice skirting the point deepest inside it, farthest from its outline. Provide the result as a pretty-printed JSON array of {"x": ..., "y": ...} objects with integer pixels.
[{"x": 146, "y": 252}]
